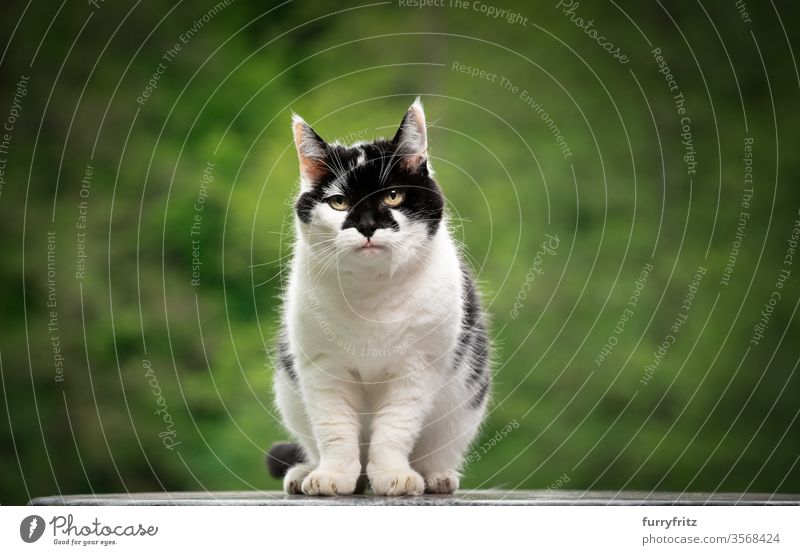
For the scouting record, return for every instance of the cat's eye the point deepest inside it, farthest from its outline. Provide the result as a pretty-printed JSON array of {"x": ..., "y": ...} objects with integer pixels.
[
  {"x": 394, "y": 198},
  {"x": 338, "y": 202}
]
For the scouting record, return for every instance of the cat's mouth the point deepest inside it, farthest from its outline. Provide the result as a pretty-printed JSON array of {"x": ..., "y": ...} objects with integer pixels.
[{"x": 370, "y": 247}]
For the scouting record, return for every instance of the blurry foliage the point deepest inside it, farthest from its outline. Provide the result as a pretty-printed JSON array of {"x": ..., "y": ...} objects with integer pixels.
[{"x": 707, "y": 420}]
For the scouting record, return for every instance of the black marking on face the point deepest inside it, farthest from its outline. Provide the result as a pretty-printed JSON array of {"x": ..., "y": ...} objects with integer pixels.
[
  {"x": 306, "y": 203},
  {"x": 370, "y": 215},
  {"x": 365, "y": 185}
]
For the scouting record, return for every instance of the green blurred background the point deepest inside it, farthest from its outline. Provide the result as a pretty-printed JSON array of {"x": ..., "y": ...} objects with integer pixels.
[{"x": 140, "y": 342}]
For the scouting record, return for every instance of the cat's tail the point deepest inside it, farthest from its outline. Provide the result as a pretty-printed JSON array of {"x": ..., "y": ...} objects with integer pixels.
[{"x": 282, "y": 456}]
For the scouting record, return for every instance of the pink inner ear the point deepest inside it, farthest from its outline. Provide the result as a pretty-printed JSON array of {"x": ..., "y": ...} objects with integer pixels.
[
  {"x": 311, "y": 166},
  {"x": 418, "y": 128},
  {"x": 313, "y": 169},
  {"x": 412, "y": 161}
]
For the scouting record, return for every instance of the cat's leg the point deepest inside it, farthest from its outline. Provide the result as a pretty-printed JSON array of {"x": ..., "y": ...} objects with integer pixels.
[
  {"x": 331, "y": 401},
  {"x": 400, "y": 412},
  {"x": 444, "y": 440},
  {"x": 290, "y": 405}
]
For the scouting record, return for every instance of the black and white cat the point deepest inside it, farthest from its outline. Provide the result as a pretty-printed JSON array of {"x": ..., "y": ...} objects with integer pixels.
[{"x": 383, "y": 359}]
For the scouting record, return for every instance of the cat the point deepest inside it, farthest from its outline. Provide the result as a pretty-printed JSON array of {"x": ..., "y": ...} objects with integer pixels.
[{"x": 383, "y": 359}]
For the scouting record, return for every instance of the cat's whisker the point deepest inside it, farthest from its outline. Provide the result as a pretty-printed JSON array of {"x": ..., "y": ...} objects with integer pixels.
[
  {"x": 323, "y": 242},
  {"x": 277, "y": 275},
  {"x": 322, "y": 256},
  {"x": 271, "y": 262},
  {"x": 320, "y": 261}
]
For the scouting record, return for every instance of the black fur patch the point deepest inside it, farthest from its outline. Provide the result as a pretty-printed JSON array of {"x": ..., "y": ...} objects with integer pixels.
[
  {"x": 306, "y": 203},
  {"x": 283, "y": 456},
  {"x": 285, "y": 359},
  {"x": 366, "y": 184},
  {"x": 473, "y": 345},
  {"x": 480, "y": 395}
]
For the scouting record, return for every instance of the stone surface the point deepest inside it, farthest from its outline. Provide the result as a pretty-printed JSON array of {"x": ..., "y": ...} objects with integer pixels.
[{"x": 466, "y": 497}]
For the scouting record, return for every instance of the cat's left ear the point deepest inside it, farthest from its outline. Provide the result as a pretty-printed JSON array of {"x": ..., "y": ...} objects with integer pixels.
[
  {"x": 411, "y": 140},
  {"x": 311, "y": 150}
]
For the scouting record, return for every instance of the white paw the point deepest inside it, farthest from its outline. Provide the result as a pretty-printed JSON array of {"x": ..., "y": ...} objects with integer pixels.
[
  {"x": 294, "y": 478},
  {"x": 328, "y": 482},
  {"x": 396, "y": 482},
  {"x": 445, "y": 481}
]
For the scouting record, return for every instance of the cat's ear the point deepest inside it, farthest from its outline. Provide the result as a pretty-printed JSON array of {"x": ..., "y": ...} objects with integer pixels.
[
  {"x": 411, "y": 140},
  {"x": 311, "y": 149}
]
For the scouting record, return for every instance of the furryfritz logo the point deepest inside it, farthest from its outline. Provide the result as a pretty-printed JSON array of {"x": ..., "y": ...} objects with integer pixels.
[{"x": 31, "y": 528}]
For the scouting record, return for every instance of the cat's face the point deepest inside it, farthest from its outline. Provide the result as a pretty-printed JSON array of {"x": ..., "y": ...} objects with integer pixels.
[{"x": 370, "y": 206}]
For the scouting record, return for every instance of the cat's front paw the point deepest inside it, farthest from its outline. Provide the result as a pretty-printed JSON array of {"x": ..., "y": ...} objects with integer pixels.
[
  {"x": 445, "y": 481},
  {"x": 396, "y": 482},
  {"x": 327, "y": 482},
  {"x": 293, "y": 480}
]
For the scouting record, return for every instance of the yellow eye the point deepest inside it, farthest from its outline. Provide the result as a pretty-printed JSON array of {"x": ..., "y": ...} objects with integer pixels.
[
  {"x": 338, "y": 202},
  {"x": 394, "y": 198}
]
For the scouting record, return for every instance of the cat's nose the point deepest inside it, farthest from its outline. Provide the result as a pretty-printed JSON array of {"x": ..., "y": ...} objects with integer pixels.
[
  {"x": 364, "y": 222},
  {"x": 366, "y": 225}
]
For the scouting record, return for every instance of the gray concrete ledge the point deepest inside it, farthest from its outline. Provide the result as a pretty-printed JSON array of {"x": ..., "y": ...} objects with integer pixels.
[{"x": 466, "y": 497}]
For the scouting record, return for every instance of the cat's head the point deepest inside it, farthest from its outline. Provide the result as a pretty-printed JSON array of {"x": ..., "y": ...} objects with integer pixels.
[{"x": 371, "y": 205}]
